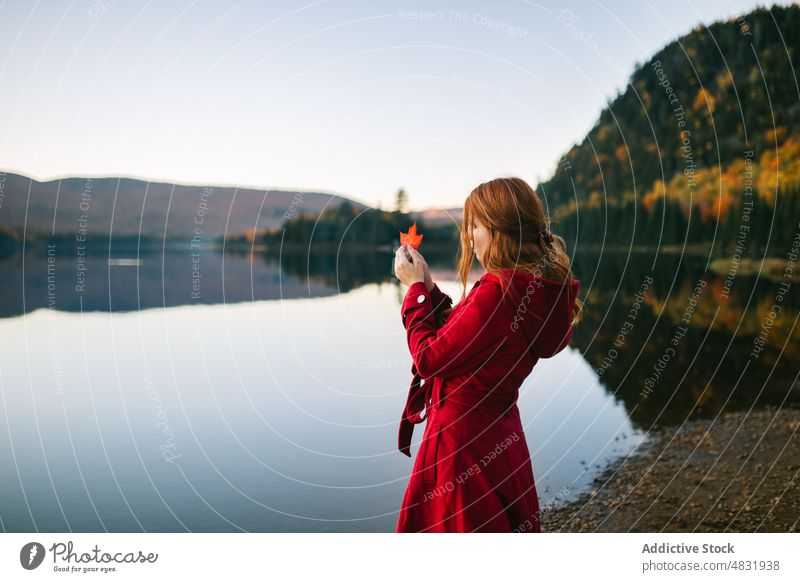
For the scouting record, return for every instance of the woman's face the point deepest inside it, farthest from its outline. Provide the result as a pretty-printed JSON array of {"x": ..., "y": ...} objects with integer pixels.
[{"x": 480, "y": 237}]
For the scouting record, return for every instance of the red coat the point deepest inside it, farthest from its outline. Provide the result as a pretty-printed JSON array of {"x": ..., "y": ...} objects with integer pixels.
[{"x": 473, "y": 469}]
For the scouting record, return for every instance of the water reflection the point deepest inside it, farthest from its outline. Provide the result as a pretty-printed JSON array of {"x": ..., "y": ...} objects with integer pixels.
[
  {"x": 684, "y": 357},
  {"x": 264, "y": 394}
]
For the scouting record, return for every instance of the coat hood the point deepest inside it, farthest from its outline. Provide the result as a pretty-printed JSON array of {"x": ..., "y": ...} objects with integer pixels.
[{"x": 542, "y": 310}]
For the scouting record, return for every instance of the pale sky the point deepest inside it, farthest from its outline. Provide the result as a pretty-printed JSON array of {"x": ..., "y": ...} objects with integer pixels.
[{"x": 358, "y": 98}]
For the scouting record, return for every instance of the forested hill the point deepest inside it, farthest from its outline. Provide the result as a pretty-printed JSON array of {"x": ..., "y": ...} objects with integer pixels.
[{"x": 708, "y": 121}]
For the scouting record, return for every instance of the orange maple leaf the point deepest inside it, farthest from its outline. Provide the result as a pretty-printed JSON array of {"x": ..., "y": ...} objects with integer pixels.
[{"x": 411, "y": 237}]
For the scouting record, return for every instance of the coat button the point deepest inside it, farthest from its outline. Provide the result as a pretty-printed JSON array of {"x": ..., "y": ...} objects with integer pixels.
[{"x": 420, "y": 299}]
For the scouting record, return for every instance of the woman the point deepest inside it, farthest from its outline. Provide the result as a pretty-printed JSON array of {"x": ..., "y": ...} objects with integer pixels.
[{"x": 473, "y": 469}]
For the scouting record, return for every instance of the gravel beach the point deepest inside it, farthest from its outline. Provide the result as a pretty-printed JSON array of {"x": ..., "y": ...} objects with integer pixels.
[{"x": 738, "y": 473}]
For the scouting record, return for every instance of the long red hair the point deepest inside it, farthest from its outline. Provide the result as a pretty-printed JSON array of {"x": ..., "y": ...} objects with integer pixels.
[{"x": 521, "y": 239}]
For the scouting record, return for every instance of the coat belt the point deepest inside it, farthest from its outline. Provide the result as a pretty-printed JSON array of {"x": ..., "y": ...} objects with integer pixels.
[
  {"x": 420, "y": 398},
  {"x": 426, "y": 397}
]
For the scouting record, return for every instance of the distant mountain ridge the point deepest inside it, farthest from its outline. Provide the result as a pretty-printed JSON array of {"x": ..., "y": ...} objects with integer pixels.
[{"x": 156, "y": 209}]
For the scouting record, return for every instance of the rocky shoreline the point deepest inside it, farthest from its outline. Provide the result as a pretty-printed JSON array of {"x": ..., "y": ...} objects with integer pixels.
[{"x": 738, "y": 473}]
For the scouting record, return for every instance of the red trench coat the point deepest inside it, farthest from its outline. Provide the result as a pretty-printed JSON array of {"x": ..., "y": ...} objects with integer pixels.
[{"x": 473, "y": 471}]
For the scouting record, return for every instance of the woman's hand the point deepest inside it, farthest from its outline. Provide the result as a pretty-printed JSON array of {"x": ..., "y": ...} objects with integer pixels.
[
  {"x": 410, "y": 272},
  {"x": 419, "y": 258}
]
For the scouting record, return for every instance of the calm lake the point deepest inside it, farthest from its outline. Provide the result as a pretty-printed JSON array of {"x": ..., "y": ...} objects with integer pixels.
[{"x": 165, "y": 391}]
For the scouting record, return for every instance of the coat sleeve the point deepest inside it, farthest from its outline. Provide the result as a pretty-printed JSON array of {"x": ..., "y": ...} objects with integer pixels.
[{"x": 463, "y": 343}]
